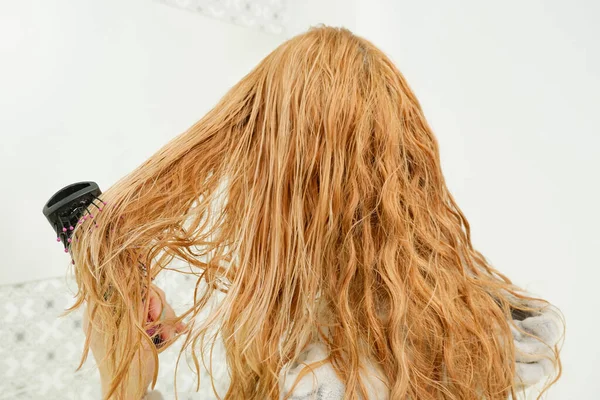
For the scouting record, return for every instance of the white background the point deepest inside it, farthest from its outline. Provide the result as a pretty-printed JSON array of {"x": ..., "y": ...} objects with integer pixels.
[{"x": 89, "y": 89}]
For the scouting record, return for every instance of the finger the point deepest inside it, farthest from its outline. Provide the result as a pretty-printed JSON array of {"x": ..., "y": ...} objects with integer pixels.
[
  {"x": 169, "y": 327},
  {"x": 161, "y": 311},
  {"x": 155, "y": 307},
  {"x": 180, "y": 327}
]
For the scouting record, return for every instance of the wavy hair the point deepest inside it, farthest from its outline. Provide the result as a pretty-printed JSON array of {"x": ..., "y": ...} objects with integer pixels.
[{"x": 311, "y": 196}]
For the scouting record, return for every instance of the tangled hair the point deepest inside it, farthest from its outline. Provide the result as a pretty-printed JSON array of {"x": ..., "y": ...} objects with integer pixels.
[{"x": 334, "y": 224}]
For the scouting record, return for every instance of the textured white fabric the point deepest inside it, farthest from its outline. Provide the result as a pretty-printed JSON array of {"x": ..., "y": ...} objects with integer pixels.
[
  {"x": 41, "y": 351},
  {"x": 533, "y": 362},
  {"x": 532, "y": 356},
  {"x": 322, "y": 383}
]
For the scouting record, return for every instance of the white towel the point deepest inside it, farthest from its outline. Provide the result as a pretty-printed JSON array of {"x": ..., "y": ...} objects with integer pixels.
[{"x": 533, "y": 362}]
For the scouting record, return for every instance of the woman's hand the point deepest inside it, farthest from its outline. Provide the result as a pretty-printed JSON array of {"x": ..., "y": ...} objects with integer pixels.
[{"x": 165, "y": 332}]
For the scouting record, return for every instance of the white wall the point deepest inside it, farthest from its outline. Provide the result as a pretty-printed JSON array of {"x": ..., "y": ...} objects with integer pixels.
[
  {"x": 90, "y": 89},
  {"x": 304, "y": 14},
  {"x": 512, "y": 90}
]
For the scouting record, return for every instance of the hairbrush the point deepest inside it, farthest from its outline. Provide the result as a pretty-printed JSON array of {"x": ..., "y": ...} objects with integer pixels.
[{"x": 70, "y": 206}]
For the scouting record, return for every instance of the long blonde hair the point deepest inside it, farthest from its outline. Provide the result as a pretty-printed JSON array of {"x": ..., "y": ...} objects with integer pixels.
[{"x": 335, "y": 225}]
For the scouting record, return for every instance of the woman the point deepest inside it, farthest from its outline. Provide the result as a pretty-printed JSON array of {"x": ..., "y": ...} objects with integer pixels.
[{"x": 311, "y": 197}]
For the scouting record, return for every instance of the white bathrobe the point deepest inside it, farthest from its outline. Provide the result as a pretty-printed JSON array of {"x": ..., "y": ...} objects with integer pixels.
[{"x": 533, "y": 365}]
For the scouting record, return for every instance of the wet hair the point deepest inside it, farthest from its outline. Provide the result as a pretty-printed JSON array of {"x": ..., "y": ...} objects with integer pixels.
[{"x": 311, "y": 197}]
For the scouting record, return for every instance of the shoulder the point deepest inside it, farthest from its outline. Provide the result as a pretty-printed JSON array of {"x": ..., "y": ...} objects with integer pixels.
[
  {"x": 321, "y": 382},
  {"x": 535, "y": 337}
]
